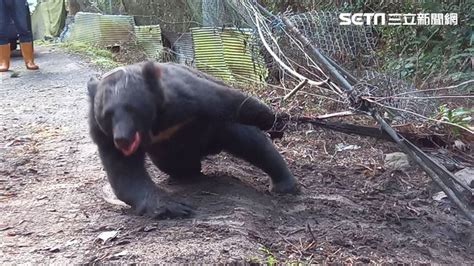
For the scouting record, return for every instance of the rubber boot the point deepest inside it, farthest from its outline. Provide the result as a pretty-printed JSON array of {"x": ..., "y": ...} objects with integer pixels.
[
  {"x": 4, "y": 57},
  {"x": 27, "y": 52}
]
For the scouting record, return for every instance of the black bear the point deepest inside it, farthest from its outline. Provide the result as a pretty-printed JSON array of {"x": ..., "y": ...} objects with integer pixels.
[{"x": 176, "y": 115}]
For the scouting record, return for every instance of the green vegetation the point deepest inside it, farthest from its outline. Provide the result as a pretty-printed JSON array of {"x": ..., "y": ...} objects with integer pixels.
[
  {"x": 425, "y": 54},
  {"x": 436, "y": 53},
  {"x": 100, "y": 57},
  {"x": 459, "y": 116},
  {"x": 421, "y": 54},
  {"x": 44, "y": 43},
  {"x": 270, "y": 258}
]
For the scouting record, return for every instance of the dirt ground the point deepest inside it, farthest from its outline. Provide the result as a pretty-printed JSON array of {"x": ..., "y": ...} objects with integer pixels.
[{"x": 350, "y": 210}]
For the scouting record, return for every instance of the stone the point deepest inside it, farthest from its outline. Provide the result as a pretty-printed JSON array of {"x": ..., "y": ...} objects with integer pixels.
[
  {"x": 466, "y": 176},
  {"x": 396, "y": 161}
]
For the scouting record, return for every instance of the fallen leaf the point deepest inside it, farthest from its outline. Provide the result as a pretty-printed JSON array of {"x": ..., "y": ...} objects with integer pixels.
[
  {"x": 149, "y": 228},
  {"x": 108, "y": 235},
  {"x": 439, "y": 196},
  {"x": 18, "y": 233},
  {"x": 5, "y": 228},
  {"x": 120, "y": 254},
  {"x": 71, "y": 242},
  {"x": 54, "y": 249},
  {"x": 42, "y": 197},
  {"x": 343, "y": 147}
]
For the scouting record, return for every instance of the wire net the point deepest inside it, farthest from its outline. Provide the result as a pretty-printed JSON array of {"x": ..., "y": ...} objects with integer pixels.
[
  {"x": 384, "y": 89},
  {"x": 352, "y": 47},
  {"x": 346, "y": 44}
]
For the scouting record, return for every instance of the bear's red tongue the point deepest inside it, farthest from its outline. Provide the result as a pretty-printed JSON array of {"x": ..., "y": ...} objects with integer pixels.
[{"x": 129, "y": 149}]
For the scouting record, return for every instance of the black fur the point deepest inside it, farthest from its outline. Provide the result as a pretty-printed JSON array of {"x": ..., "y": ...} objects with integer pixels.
[{"x": 181, "y": 115}]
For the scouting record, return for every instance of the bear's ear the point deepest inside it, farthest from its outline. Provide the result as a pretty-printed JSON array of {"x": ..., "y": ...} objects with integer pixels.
[
  {"x": 152, "y": 74},
  {"x": 92, "y": 86}
]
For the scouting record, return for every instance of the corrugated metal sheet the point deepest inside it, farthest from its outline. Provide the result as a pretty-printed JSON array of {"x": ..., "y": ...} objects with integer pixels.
[
  {"x": 209, "y": 53},
  {"x": 85, "y": 28},
  {"x": 149, "y": 38},
  {"x": 229, "y": 54},
  {"x": 238, "y": 54},
  {"x": 102, "y": 30},
  {"x": 182, "y": 44},
  {"x": 184, "y": 49}
]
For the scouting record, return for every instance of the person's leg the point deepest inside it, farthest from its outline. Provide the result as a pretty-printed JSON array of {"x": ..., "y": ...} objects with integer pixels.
[
  {"x": 4, "y": 42},
  {"x": 20, "y": 17},
  {"x": 4, "y": 21}
]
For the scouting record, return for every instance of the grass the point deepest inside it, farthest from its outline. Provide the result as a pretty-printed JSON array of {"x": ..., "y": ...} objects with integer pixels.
[
  {"x": 101, "y": 57},
  {"x": 269, "y": 257}
]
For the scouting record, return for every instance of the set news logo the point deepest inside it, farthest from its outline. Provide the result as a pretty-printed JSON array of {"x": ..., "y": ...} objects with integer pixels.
[{"x": 396, "y": 19}]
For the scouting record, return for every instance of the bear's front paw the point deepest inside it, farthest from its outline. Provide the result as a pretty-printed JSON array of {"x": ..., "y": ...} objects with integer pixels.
[
  {"x": 159, "y": 206},
  {"x": 288, "y": 186}
]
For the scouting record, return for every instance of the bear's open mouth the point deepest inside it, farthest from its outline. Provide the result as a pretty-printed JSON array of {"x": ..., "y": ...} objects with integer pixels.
[{"x": 129, "y": 147}]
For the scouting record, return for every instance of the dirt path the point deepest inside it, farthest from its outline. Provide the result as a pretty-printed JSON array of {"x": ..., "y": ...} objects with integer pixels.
[{"x": 350, "y": 210}]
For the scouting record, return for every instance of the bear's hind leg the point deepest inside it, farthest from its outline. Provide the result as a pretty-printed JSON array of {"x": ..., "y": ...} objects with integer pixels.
[{"x": 250, "y": 144}]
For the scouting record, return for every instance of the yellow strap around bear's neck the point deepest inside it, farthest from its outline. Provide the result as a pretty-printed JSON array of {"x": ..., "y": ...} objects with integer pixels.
[{"x": 167, "y": 133}]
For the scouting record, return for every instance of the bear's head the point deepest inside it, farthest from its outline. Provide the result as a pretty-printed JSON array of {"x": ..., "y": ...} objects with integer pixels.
[{"x": 125, "y": 102}]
